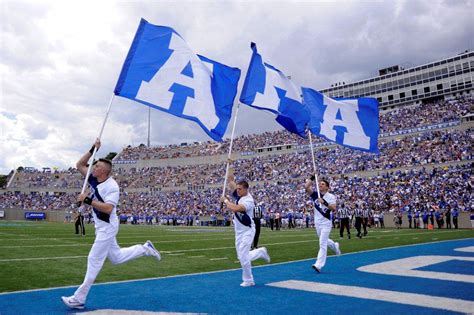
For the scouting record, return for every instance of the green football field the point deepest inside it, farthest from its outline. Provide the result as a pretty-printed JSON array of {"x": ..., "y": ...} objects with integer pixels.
[{"x": 42, "y": 254}]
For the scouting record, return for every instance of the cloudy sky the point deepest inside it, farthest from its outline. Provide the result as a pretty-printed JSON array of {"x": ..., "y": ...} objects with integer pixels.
[{"x": 59, "y": 61}]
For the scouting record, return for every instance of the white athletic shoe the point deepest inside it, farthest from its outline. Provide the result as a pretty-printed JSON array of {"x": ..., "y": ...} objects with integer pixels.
[
  {"x": 338, "y": 250},
  {"x": 247, "y": 284},
  {"x": 152, "y": 250},
  {"x": 265, "y": 257},
  {"x": 71, "y": 302}
]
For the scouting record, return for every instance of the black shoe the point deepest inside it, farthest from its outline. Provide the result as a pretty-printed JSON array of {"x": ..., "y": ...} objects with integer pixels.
[{"x": 315, "y": 268}]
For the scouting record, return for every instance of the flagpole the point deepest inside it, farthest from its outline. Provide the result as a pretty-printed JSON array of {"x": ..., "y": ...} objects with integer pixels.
[
  {"x": 149, "y": 126},
  {"x": 95, "y": 148},
  {"x": 230, "y": 150},
  {"x": 314, "y": 163}
]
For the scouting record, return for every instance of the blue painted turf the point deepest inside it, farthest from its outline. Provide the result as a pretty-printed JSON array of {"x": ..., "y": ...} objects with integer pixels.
[
  {"x": 459, "y": 266},
  {"x": 220, "y": 292}
]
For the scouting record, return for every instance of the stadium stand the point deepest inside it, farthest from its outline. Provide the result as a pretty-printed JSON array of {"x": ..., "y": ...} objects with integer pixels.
[{"x": 423, "y": 152}]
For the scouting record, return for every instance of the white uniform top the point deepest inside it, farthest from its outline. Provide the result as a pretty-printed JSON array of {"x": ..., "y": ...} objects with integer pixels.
[
  {"x": 242, "y": 220},
  {"x": 319, "y": 218},
  {"x": 106, "y": 225}
]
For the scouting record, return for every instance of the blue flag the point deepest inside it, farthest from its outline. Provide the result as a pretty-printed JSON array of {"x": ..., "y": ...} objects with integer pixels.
[
  {"x": 268, "y": 88},
  {"x": 162, "y": 72},
  {"x": 353, "y": 123}
]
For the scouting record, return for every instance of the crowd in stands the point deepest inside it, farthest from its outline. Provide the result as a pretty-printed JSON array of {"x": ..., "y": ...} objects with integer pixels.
[
  {"x": 399, "y": 119},
  {"x": 70, "y": 178},
  {"x": 425, "y": 114},
  {"x": 418, "y": 190},
  {"x": 431, "y": 147}
]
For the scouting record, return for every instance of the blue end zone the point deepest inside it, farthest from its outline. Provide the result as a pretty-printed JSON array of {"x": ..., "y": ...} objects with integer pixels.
[
  {"x": 220, "y": 292},
  {"x": 454, "y": 266}
]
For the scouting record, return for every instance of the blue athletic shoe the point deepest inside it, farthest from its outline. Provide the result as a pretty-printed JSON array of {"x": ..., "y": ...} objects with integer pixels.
[{"x": 71, "y": 302}]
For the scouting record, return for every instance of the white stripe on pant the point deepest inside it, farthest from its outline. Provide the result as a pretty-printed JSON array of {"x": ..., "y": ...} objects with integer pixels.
[
  {"x": 323, "y": 232},
  {"x": 243, "y": 241},
  {"x": 102, "y": 249}
]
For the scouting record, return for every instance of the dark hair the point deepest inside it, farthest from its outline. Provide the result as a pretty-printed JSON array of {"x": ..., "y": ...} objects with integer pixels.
[
  {"x": 106, "y": 161},
  {"x": 244, "y": 184},
  {"x": 325, "y": 181}
]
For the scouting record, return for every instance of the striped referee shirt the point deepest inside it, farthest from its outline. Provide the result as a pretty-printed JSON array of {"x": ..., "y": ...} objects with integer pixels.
[
  {"x": 366, "y": 213},
  {"x": 358, "y": 213},
  {"x": 257, "y": 212},
  {"x": 344, "y": 213}
]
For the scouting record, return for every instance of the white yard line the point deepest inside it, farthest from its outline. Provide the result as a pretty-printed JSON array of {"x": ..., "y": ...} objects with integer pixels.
[
  {"x": 41, "y": 258},
  {"x": 200, "y": 256},
  {"x": 222, "y": 258},
  {"x": 154, "y": 242}
]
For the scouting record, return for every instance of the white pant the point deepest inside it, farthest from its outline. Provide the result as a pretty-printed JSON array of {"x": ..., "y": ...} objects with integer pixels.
[
  {"x": 102, "y": 249},
  {"x": 243, "y": 241},
  {"x": 323, "y": 232}
]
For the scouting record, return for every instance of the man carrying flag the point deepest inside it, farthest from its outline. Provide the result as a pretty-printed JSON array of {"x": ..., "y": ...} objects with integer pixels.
[
  {"x": 103, "y": 198},
  {"x": 323, "y": 206},
  {"x": 244, "y": 228}
]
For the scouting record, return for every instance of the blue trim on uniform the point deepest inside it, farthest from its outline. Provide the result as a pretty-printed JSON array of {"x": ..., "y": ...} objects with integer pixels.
[
  {"x": 242, "y": 217},
  {"x": 93, "y": 182},
  {"x": 327, "y": 213},
  {"x": 236, "y": 196}
]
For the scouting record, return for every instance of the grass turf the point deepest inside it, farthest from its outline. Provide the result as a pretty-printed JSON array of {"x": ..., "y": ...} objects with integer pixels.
[{"x": 43, "y": 254}]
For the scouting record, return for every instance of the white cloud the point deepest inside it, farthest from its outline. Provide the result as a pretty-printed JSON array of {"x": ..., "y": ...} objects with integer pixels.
[{"x": 59, "y": 60}]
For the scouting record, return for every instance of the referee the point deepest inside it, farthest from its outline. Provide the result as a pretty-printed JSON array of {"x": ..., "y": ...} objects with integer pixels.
[
  {"x": 344, "y": 215},
  {"x": 257, "y": 216},
  {"x": 79, "y": 223},
  {"x": 365, "y": 221},
  {"x": 358, "y": 221}
]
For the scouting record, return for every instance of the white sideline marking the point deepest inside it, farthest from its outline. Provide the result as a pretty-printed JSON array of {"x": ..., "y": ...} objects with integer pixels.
[
  {"x": 197, "y": 256},
  {"x": 416, "y": 299},
  {"x": 175, "y": 254},
  {"x": 406, "y": 267},
  {"x": 119, "y": 238},
  {"x": 222, "y": 258},
  {"x": 129, "y": 312},
  {"x": 41, "y": 258},
  {"x": 225, "y": 270},
  {"x": 469, "y": 249}
]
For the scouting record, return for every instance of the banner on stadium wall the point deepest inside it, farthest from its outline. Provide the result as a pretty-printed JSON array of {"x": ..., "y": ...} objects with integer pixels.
[
  {"x": 35, "y": 216},
  {"x": 2, "y": 213}
]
